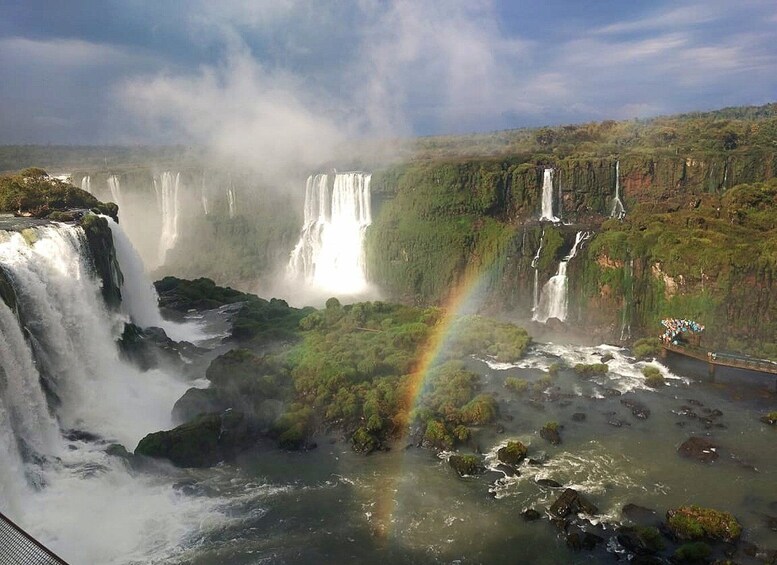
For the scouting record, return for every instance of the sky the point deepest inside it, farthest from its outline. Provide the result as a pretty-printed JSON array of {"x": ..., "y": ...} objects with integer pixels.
[{"x": 284, "y": 78}]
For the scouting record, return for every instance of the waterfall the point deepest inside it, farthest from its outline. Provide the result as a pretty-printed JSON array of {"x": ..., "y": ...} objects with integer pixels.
[
  {"x": 330, "y": 251},
  {"x": 535, "y": 266},
  {"x": 169, "y": 208},
  {"x": 618, "y": 211},
  {"x": 553, "y": 299},
  {"x": 231, "y": 202},
  {"x": 628, "y": 297},
  {"x": 204, "y": 202},
  {"x": 60, "y": 368},
  {"x": 115, "y": 187},
  {"x": 86, "y": 183},
  {"x": 547, "y": 197},
  {"x": 140, "y": 300}
]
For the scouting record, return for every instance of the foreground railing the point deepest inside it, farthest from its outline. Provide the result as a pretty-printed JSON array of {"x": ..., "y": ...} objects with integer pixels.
[{"x": 17, "y": 547}]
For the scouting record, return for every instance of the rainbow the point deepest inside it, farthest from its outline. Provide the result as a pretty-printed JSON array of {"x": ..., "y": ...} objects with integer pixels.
[{"x": 464, "y": 298}]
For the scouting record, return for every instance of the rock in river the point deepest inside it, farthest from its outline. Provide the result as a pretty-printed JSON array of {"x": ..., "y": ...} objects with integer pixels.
[{"x": 700, "y": 449}]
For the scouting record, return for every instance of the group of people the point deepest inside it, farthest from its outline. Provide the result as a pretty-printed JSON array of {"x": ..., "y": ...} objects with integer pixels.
[{"x": 675, "y": 327}]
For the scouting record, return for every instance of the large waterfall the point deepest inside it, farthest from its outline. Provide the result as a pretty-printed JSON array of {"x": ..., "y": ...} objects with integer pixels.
[
  {"x": 169, "y": 208},
  {"x": 547, "y": 197},
  {"x": 554, "y": 299},
  {"x": 330, "y": 251},
  {"x": 60, "y": 368},
  {"x": 618, "y": 211}
]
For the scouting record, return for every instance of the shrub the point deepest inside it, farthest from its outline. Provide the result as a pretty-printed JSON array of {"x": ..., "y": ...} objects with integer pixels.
[
  {"x": 694, "y": 552},
  {"x": 646, "y": 348},
  {"x": 592, "y": 369},
  {"x": 653, "y": 377},
  {"x": 516, "y": 384}
]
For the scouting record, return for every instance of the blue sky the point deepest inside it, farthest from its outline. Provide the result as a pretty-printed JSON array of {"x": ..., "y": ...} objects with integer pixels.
[{"x": 300, "y": 75}]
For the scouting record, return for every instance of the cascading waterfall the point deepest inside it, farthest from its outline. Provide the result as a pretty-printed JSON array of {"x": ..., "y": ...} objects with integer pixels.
[
  {"x": 330, "y": 251},
  {"x": 628, "y": 298},
  {"x": 547, "y": 197},
  {"x": 231, "y": 202},
  {"x": 115, "y": 186},
  {"x": 618, "y": 211},
  {"x": 69, "y": 493},
  {"x": 535, "y": 266},
  {"x": 140, "y": 300},
  {"x": 169, "y": 208},
  {"x": 553, "y": 299},
  {"x": 86, "y": 183}
]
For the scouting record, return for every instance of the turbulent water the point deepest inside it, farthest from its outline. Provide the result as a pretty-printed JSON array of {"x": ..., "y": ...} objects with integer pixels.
[
  {"x": 547, "y": 197},
  {"x": 61, "y": 370},
  {"x": 169, "y": 210},
  {"x": 330, "y": 251},
  {"x": 554, "y": 297},
  {"x": 115, "y": 187}
]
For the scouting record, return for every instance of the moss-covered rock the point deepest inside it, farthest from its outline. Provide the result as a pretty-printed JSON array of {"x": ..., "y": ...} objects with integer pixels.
[
  {"x": 694, "y": 552},
  {"x": 653, "y": 377},
  {"x": 466, "y": 465},
  {"x": 512, "y": 454},
  {"x": 696, "y": 523},
  {"x": 591, "y": 369},
  {"x": 203, "y": 442},
  {"x": 572, "y": 502},
  {"x": 550, "y": 432}
]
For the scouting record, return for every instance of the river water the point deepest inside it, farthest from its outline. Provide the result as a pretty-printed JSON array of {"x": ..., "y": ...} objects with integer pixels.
[{"x": 331, "y": 505}]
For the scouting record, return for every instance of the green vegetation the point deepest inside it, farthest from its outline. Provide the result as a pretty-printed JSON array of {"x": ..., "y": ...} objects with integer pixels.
[
  {"x": 646, "y": 348},
  {"x": 653, "y": 377},
  {"x": 650, "y": 538},
  {"x": 32, "y": 192},
  {"x": 694, "y": 522},
  {"x": 550, "y": 432},
  {"x": 517, "y": 385},
  {"x": 694, "y": 552},
  {"x": 591, "y": 370},
  {"x": 478, "y": 335}
]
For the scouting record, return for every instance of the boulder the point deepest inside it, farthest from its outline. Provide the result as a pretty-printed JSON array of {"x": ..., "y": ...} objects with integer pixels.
[
  {"x": 530, "y": 515},
  {"x": 466, "y": 464},
  {"x": 512, "y": 454},
  {"x": 697, "y": 523},
  {"x": 572, "y": 502},
  {"x": 638, "y": 409},
  {"x": 699, "y": 449},
  {"x": 196, "y": 401},
  {"x": 578, "y": 417},
  {"x": 550, "y": 433},
  {"x": 550, "y": 483},
  {"x": 202, "y": 442},
  {"x": 639, "y": 514}
]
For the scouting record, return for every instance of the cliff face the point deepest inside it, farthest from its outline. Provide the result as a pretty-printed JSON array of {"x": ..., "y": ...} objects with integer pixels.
[{"x": 690, "y": 245}]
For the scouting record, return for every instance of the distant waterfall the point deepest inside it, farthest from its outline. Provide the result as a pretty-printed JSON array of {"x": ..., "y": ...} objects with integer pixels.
[
  {"x": 115, "y": 186},
  {"x": 553, "y": 299},
  {"x": 330, "y": 251},
  {"x": 535, "y": 266},
  {"x": 86, "y": 183},
  {"x": 169, "y": 208},
  {"x": 618, "y": 211},
  {"x": 547, "y": 197},
  {"x": 231, "y": 202},
  {"x": 204, "y": 202},
  {"x": 628, "y": 298}
]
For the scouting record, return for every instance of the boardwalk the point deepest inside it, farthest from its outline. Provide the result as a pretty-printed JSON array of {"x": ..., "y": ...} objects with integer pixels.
[{"x": 714, "y": 359}]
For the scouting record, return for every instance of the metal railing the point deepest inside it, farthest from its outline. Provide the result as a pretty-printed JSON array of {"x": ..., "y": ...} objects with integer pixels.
[{"x": 17, "y": 547}]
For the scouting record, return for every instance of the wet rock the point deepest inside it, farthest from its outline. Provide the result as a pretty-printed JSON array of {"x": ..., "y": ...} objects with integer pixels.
[
  {"x": 548, "y": 483},
  {"x": 512, "y": 454},
  {"x": 578, "y": 417},
  {"x": 530, "y": 515},
  {"x": 493, "y": 477},
  {"x": 500, "y": 429},
  {"x": 591, "y": 540},
  {"x": 769, "y": 419},
  {"x": 699, "y": 449},
  {"x": 641, "y": 540},
  {"x": 574, "y": 541},
  {"x": 639, "y": 514},
  {"x": 617, "y": 422},
  {"x": 572, "y": 502},
  {"x": 771, "y": 522},
  {"x": 681, "y": 424},
  {"x": 466, "y": 464},
  {"x": 611, "y": 392},
  {"x": 695, "y": 402},
  {"x": 82, "y": 435},
  {"x": 507, "y": 470},
  {"x": 565, "y": 403},
  {"x": 536, "y": 404},
  {"x": 638, "y": 409},
  {"x": 607, "y": 357},
  {"x": 550, "y": 433}
]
